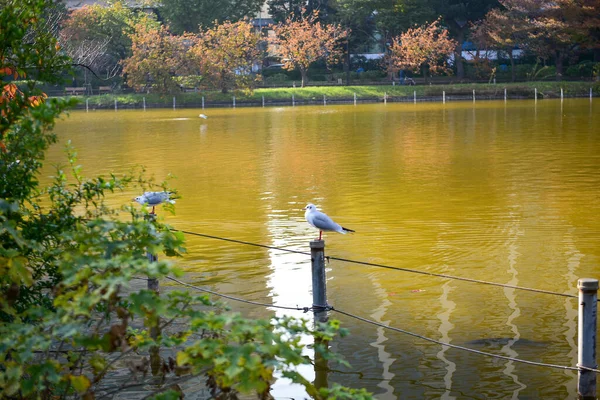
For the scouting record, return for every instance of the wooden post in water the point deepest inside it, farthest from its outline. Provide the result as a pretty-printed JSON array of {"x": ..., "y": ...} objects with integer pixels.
[
  {"x": 586, "y": 337},
  {"x": 144, "y": 102},
  {"x": 355, "y": 96},
  {"x": 319, "y": 289},
  {"x": 155, "y": 361}
]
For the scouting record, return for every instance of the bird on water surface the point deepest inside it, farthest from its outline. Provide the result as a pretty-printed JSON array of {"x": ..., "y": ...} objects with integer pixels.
[
  {"x": 154, "y": 198},
  {"x": 322, "y": 221}
]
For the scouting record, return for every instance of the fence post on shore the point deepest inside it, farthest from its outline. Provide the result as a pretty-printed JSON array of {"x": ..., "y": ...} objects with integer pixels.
[
  {"x": 233, "y": 101},
  {"x": 586, "y": 337},
  {"x": 144, "y": 102},
  {"x": 355, "y": 96},
  {"x": 444, "y": 96},
  {"x": 203, "y": 102},
  {"x": 115, "y": 104},
  {"x": 87, "y": 105},
  {"x": 319, "y": 289},
  {"x": 415, "y": 96},
  {"x": 174, "y": 105},
  {"x": 324, "y": 100}
]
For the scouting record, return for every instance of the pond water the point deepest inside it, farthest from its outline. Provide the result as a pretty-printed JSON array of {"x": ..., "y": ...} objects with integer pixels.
[{"x": 493, "y": 191}]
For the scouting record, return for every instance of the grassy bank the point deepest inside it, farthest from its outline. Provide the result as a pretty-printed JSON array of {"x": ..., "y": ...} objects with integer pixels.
[{"x": 310, "y": 95}]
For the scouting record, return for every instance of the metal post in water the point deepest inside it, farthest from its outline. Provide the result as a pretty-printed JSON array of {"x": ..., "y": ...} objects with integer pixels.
[
  {"x": 444, "y": 96},
  {"x": 115, "y": 104},
  {"x": 233, "y": 101},
  {"x": 203, "y": 102},
  {"x": 535, "y": 94},
  {"x": 504, "y": 94},
  {"x": 355, "y": 96},
  {"x": 590, "y": 94},
  {"x": 561, "y": 94},
  {"x": 174, "y": 106},
  {"x": 293, "y": 100},
  {"x": 473, "y": 95},
  {"x": 586, "y": 337},
  {"x": 324, "y": 100},
  {"x": 319, "y": 289},
  {"x": 415, "y": 96},
  {"x": 385, "y": 98},
  {"x": 87, "y": 105},
  {"x": 144, "y": 102}
]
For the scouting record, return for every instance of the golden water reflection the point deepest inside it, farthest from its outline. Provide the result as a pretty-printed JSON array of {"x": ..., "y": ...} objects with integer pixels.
[{"x": 502, "y": 192}]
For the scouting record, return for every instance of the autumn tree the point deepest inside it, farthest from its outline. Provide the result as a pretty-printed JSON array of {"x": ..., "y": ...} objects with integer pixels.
[
  {"x": 158, "y": 57},
  {"x": 188, "y": 15},
  {"x": 226, "y": 55},
  {"x": 425, "y": 48},
  {"x": 99, "y": 36},
  {"x": 500, "y": 30},
  {"x": 302, "y": 42}
]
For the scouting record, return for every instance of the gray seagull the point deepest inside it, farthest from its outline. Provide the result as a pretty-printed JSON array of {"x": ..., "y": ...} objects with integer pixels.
[
  {"x": 154, "y": 198},
  {"x": 322, "y": 222}
]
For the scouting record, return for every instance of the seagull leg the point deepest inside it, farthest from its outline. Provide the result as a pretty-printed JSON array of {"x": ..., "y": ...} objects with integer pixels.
[
  {"x": 152, "y": 210},
  {"x": 320, "y": 233}
]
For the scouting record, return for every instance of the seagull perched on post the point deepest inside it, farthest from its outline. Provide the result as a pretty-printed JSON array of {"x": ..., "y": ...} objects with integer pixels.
[
  {"x": 322, "y": 222},
  {"x": 154, "y": 198}
]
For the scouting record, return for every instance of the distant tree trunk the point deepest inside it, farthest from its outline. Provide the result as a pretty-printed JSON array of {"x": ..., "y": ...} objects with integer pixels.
[
  {"x": 460, "y": 66},
  {"x": 559, "y": 64},
  {"x": 513, "y": 73},
  {"x": 304, "y": 74}
]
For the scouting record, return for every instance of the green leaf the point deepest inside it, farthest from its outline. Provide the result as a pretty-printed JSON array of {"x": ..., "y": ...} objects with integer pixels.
[{"x": 81, "y": 383}]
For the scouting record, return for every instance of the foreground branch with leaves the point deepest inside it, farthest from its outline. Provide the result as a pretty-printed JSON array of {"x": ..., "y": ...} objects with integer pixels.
[{"x": 70, "y": 314}]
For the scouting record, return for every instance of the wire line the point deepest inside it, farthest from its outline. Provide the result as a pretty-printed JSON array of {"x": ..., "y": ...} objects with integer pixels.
[
  {"x": 305, "y": 309},
  {"x": 483, "y": 353},
  {"x": 370, "y": 264},
  {"x": 330, "y": 308}
]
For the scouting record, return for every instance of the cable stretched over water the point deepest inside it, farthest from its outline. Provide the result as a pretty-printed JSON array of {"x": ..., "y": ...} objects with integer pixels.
[
  {"x": 330, "y": 308},
  {"x": 256, "y": 303},
  {"x": 370, "y": 264}
]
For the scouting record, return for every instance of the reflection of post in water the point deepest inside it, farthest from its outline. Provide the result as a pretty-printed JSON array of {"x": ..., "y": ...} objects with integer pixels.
[
  {"x": 155, "y": 361},
  {"x": 317, "y": 253}
]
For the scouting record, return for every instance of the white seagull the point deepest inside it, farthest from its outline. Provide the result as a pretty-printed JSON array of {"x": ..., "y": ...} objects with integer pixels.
[
  {"x": 154, "y": 198},
  {"x": 322, "y": 222},
  {"x": 203, "y": 116}
]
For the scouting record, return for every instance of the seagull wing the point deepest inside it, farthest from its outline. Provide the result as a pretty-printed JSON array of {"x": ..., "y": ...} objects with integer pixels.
[{"x": 322, "y": 221}]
